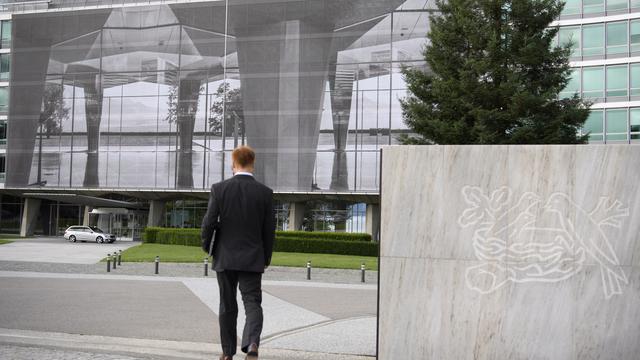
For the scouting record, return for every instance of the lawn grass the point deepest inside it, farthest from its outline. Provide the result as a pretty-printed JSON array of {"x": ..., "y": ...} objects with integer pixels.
[
  {"x": 2, "y": 241},
  {"x": 193, "y": 254}
]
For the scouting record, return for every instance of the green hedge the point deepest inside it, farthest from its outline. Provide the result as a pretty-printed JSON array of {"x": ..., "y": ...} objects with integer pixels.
[
  {"x": 340, "y": 247},
  {"x": 319, "y": 235},
  {"x": 286, "y": 241}
]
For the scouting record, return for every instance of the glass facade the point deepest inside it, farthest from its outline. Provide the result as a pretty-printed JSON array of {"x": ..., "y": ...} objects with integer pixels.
[
  {"x": 613, "y": 125},
  {"x": 605, "y": 66},
  {"x": 157, "y": 96},
  {"x": 5, "y": 34}
]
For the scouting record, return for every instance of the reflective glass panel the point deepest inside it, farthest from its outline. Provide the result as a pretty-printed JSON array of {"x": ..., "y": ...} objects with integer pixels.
[
  {"x": 634, "y": 35},
  {"x": 617, "y": 38},
  {"x": 592, "y": 6},
  {"x": 593, "y": 82},
  {"x": 634, "y": 70},
  {"x": 571, "y": 35},
  {"x": 594, "y": 125},
  {"x": 613, "y": 5},
  {"x": 4, "y": 99},
  {"x": 617, "y": 124},
  {"x": 6, "y": 33},
  {"x": 634, "y": 120},
  {"x": 593, "y": 43},
  {"x": 617, "y": 80},
  {"x": 5, "y": 62},
  {"x": 3, "y": 132},
  {"x": 573, "y": 86},
  {"x": 572, "y": 7}
]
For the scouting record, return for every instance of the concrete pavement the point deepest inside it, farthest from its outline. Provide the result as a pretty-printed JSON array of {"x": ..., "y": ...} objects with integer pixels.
[
  {"x": 59, "y": 250},
  {"x": 73, "y": 309}
]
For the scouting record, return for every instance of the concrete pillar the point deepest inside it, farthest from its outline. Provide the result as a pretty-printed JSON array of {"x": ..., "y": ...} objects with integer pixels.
[
  {"x": 291, "y": 59},
  {"x": 296, "y": 215},
  {"x": 29, "y": 216},
  {"x": 85, "y": 216},
  {"x": 189, "y": 93},
  {"x": 372, "y": 221},
  {"x": 93, "y": 115},
  {"x": 156, "y": 213}
]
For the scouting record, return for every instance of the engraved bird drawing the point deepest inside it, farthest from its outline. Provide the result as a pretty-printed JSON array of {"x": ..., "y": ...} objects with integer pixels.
[{"x": 587, "y": 233}]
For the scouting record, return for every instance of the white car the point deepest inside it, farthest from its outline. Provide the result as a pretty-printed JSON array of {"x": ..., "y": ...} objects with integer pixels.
[{"x": 88, "y": 233}]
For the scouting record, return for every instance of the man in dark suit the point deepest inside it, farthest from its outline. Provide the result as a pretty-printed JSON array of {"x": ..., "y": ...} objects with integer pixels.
[{"x": 241, "y": 212}]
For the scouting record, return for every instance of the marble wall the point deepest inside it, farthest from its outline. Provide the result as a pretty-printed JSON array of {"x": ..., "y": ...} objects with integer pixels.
[{"x": 510, "y": 252}]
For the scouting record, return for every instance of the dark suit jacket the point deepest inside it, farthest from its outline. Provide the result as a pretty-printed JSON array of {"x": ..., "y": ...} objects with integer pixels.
[{"x": 246, "y": 229}]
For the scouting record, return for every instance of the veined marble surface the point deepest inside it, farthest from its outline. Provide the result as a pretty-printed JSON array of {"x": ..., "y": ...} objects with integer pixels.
[{"x": 510, "y": 252}]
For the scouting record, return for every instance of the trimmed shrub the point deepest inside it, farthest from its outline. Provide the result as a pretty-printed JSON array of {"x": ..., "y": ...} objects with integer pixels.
[
  {"x": 340, "y": 247},
  {"x": 150, "y": 234},
  {"x": 319, "y": 235},
  {"x": 286, "y": 241}
]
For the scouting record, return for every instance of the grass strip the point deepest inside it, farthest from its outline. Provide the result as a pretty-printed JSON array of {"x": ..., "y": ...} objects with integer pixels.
[{"x": 192, "y": 254}]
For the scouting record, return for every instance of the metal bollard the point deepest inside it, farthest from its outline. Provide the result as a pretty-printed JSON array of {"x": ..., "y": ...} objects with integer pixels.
[
  {"x": 120, "y": 257},
  {"x": 206, "y": 266},
  {"x": 157, "y": 264},
  {"x": 114, "y": 266},
  {"x": 109, "y": 262},
  {"x": 362, "y": 269},
  {"x": 309, "y": 270}
]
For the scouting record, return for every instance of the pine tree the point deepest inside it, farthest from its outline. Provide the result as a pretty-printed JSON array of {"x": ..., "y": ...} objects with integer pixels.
[{"x": 494, "y": 77}]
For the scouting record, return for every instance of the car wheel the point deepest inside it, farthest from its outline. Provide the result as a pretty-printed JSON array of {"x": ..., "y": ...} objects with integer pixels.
[
  {"x": 99, "y": 239},
  {"x": 72, "y": 238}
]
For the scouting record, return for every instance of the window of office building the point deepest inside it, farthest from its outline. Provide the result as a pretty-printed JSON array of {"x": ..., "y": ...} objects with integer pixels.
[
  {"x": 593, "y": 43},
  {"x": 4, "y": 66},
  {"x": 634, "y": 36},
  {"x": 617, "y": 80},
  {"x": 616, "y": 5},
  {"x": 5, "y": 29},
  {"x": 592, "y": 6},
  {"x": 634, "y": 123},
  {"x": 593, "y": 126},
  {"x": 617, "y": 38},
  {"x": 3, "y": 132},
  {"x": 570, "y": 35},
  {"x": 634, "y": 71},
  {"x": 593, "y": 82},
  {"x": 616, "y": 124},
  {"x": 573, "y": 86},
  {"x": 2, "y": 167},
  {"x": 572, "y": 7},
  {"x": 4, "y": 99},
  {"x": 634, "y": 4}
]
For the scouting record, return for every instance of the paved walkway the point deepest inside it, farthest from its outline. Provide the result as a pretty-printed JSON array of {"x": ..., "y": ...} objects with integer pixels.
[
  {"x": 59, "y": 250},
  {"x": 78, "y": 311}
]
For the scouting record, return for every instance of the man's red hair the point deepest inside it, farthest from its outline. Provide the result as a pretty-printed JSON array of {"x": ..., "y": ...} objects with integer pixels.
[{"x": 243, "y": 156}]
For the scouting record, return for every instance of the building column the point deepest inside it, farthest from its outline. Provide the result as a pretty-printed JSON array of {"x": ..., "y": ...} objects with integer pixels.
[
  {"x": 372, "y": 221},
  {"x": 291, "y": 59},
  {"x": 29, "y": 216},
  {"x": 85, "y": 216},
  {"x": 188, "y": 94},
  {"x": 93, "y": 114},
  {"x": 156, "y": 213},
  {"x": 296, "y": 215}
]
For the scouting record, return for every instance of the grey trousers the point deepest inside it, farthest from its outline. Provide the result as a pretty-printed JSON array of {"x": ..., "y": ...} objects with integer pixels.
[{"x": 251, "y": 289}]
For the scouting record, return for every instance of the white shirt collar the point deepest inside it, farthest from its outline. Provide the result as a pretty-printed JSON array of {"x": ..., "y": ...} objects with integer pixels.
[{"x": 243, "y": 173}]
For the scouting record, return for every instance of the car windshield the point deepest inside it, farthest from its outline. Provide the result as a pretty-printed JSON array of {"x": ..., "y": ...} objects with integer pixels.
[{"x": 96, "y": 229}]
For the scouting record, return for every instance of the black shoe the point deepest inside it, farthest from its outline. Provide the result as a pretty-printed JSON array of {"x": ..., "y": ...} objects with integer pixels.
[{"x": 252, "y": 352}]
